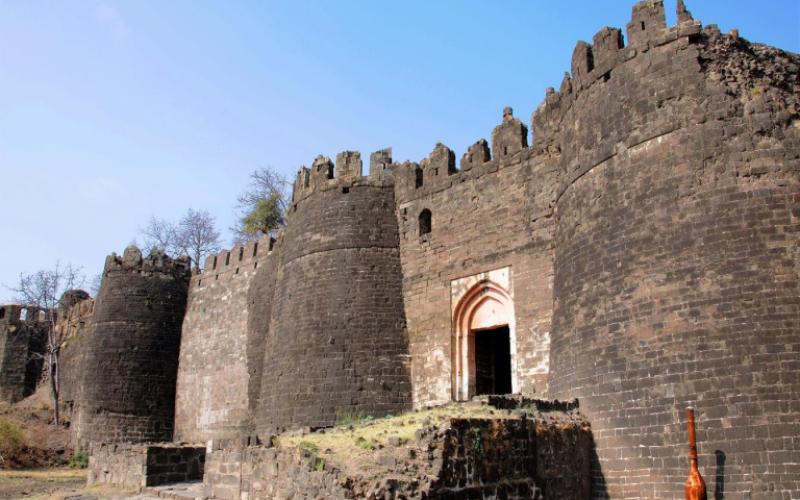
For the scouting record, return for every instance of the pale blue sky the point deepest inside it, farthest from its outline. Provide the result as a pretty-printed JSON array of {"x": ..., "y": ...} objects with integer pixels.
[{"x": 114, "y": 110}]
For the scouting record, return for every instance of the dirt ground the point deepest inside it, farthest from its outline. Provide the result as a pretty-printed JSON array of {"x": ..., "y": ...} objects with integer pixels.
[
  {"x": 39, "y": 484},
  {"x": 57, "y": 484}
]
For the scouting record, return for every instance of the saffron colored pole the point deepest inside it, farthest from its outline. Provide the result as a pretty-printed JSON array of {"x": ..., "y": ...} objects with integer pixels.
[{"x": 695, "y": 486}]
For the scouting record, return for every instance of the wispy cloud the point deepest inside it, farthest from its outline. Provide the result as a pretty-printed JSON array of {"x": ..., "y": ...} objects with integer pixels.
[{"x": 110, "y": 19}]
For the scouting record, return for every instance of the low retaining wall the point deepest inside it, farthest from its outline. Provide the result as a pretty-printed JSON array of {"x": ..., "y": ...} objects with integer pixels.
[
  {"x": 471, "y": 459},
  {"x": 136, "y": 466}
]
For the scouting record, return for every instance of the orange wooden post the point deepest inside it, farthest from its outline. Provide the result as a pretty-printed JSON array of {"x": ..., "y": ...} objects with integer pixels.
[{"x": 695, "y": 486}]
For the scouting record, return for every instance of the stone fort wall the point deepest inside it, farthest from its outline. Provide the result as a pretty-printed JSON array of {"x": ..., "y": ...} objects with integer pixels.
[
  {"x": 21, "y": 339},
  {"x": 127, "y": 388},
  {"x": 337, "y": 341},
  {"x": 213, "y": 379},
  {"x": 676, "y": 263},
  {"x": 643, "y": 250}
]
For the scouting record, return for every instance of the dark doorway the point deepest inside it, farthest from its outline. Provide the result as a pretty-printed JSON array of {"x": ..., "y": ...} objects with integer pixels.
[{"x": 493, "y": 361}]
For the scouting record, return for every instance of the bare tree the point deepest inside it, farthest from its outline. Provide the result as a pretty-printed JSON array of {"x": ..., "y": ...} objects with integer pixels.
[
  {"x": 263, "y": 205},
  {"x": 94, "y": 286},
  {"x": 161, "y": 234},
  {"x": 196, "y": 236},
  {"x": 43, "y": 291}
]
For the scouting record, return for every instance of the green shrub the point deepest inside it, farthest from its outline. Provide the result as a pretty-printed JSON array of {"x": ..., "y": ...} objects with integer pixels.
[
  {"x": 308, "y": 445},
  {"x": 11, "y": 437},
  {"x": 79, "y": 461}
]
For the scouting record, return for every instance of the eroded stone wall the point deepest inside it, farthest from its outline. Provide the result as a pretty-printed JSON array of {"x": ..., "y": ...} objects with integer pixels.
[
  {"x": 676, "y": 269},
  {"x": 21, "y": 338},
  {"x": 470, "y": 459},
  {"x": 131, "y": 357},
  {"x": 136, "y": 466}
]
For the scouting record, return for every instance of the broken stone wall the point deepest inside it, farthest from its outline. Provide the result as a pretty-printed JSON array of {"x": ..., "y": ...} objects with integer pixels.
[
  {"x": 72, "y": 358},
  {"x": 136, "y": 466},
  {"x": 21, "y": 336},
  {"x": 472, "y": 459}
]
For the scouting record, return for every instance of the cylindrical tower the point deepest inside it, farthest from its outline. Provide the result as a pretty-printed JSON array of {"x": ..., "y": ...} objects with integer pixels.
[
  {"x": 131, "y": 358},
  {"x": 337, "y": 339},
  {"x": 676, "y": 269}
]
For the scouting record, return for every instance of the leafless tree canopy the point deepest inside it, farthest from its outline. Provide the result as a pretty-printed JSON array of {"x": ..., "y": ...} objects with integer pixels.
[
  {"x": 194, "y": 235},
  {"x": 43, "y": 291},
  {"x": 161, "y": 234},
  {"x": 265, "y": 184}
]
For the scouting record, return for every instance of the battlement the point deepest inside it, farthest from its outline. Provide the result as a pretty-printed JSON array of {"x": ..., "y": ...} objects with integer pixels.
[
  {"x": 240, "y": 257},
  {"x": 18, "y": 313},
  {"x": 646, "y": 30},
  {"x": 156, "y": 262}
]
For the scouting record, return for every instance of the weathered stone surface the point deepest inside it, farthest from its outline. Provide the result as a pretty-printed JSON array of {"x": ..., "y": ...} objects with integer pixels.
[
  {"x": 336, "y": 342},
  {"x": 131, "y": 351},
  {"x": 642, "y": 253},
  {"x": 22, "y": 338},
  {"x": 137, "y": 466}
]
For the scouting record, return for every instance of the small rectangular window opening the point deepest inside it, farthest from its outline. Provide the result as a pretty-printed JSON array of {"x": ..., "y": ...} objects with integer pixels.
[
  {"x": 227, "y": 258},
  {"x": 241, "y": 253},
  {"x": 345, "y": 190},
  {"x": 255, "y": 249},
  {"x": 214, "y": 265}
]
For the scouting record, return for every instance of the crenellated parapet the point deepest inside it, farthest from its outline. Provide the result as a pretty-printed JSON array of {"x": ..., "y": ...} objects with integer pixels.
[
  {"x": 157, "y": 261},
  {"x": 349, "y": 165},
  {"x": 647, "y": 23},
  {"x": 510, "y": 136},
  {"x": 380, "y": 164},
  {"x": 476, "y": 155},
  {"x": 11, "y": 314},
  {"x": 345, "y": 174},
  {"x": 236, "y": 260}
]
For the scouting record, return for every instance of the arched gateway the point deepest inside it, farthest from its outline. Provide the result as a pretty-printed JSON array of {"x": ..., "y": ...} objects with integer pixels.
[{"x": 484, "y": 342}]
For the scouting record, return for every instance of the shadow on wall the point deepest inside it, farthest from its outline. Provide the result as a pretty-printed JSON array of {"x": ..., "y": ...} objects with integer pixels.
[
  {"x": 599, "y": 489},
  {"x": 719, "y": 487}
]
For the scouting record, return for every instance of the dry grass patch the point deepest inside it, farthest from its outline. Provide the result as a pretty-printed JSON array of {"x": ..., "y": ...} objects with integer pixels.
[
  {"x": 39, "y": 484},
  {"x": 356, "y": 443}
]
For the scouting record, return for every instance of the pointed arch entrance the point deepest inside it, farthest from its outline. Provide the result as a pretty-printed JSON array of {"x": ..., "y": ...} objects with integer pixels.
[{"x": 484, "y": 342}]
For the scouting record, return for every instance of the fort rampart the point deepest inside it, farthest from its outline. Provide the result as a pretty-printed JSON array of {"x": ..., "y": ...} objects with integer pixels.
[
  {"x": 638, "y": 250},
  {"x": 131, "y": 348}
]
